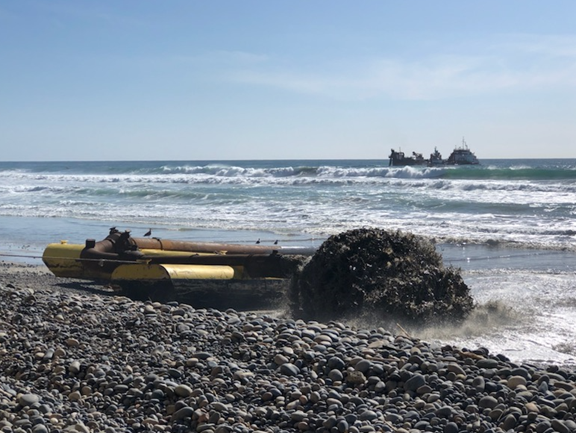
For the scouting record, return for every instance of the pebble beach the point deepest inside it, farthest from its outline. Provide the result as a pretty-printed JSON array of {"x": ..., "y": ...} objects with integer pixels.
[{"x": 76, "y": 357}]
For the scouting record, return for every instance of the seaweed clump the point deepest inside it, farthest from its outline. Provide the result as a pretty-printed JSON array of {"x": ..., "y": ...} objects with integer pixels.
[{"x": 374, "y": 272}]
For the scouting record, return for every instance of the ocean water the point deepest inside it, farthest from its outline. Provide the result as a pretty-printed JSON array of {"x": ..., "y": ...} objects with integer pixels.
[{"x": 509, "y": 224}]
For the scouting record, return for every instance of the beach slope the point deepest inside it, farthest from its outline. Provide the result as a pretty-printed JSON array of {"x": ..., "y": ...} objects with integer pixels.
[{"x": 77, "y": 357}]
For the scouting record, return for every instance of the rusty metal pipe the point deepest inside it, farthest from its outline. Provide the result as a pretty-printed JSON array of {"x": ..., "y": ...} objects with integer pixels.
[{"x": 212, "y": 247}]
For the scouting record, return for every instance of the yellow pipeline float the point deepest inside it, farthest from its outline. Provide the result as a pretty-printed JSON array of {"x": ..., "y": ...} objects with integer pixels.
[{"x": 202, "y": 274}]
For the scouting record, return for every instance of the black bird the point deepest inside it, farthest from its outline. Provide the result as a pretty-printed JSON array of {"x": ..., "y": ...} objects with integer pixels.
[
  {"x": 276, "y": 242},
  {"x": 148, "y": 233},
  {"x": 258, "y": 241}
]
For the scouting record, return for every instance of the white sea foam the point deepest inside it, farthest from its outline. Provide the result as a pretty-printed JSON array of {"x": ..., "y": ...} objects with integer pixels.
[{"x": 518, "y": 315}]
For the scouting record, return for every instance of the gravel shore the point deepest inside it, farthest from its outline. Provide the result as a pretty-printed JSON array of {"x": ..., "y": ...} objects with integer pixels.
[{"x": 77, "y": 357}]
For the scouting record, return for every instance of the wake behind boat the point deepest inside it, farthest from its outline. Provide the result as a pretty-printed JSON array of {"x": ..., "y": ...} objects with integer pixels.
[{"x": 461, "y": 155}]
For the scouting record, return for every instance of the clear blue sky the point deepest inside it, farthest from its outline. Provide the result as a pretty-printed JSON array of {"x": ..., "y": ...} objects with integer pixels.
[{"x": 328, "y": 79}]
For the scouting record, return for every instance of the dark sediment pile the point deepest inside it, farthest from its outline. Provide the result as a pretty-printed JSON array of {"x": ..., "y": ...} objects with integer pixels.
[
  {"x": 96, "y": 363},
  {"x": 392, "y": 275}
]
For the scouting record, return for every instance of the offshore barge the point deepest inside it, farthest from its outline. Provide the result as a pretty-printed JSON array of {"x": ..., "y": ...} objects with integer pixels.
[{"x": 461, "y": 155}]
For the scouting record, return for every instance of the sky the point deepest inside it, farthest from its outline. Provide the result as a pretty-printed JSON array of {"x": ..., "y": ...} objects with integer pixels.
[{"x": 298, "y": 79}]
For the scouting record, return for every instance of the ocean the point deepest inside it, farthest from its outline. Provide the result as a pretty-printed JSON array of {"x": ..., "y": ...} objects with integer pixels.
[{"x": 509, "y": 224}]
